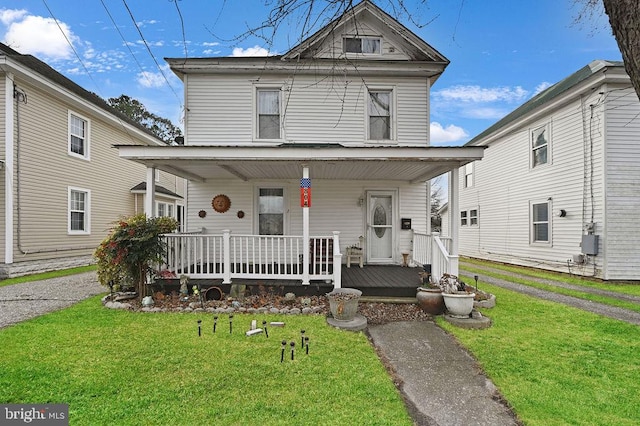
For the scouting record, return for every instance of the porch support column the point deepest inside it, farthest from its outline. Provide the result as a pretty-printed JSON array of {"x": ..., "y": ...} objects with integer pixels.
[
  {"x": 337, "y": 261},
  {"x": 150, "y": 199},
  {"x": 454, "y": 219},
  {"x": 428, "y": 207},
  {"x": 305, "y": 235},
  {"x": 226, "y": 256},
  {"x": 8, "y": 167}
]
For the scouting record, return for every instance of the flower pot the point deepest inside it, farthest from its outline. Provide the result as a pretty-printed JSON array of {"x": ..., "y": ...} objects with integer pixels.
[
  {"x": 460, "y": 304},
  {"x": 343, "y": 303},
  {"x": 430, "y": 300}
]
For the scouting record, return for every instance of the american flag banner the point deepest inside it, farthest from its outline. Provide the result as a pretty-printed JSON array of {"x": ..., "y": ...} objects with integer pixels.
[{"x": 305, "y": 192}]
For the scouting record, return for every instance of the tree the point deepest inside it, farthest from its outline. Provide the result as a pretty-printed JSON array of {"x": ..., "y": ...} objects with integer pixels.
[
  {"x": 161, "y": 127},
  {"x": 624, "y": 19},
  {"x": 436, "y": 203}
]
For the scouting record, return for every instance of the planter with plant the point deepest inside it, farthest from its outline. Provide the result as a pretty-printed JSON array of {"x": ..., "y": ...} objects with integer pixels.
[
  {"x": 126, "y": 258},
  {"x": 429, "y": 295},
  {"x": 458, "y": 297}
]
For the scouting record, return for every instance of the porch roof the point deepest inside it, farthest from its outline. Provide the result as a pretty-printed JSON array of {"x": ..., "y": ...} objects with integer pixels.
[{"x": 337, "y": 162}]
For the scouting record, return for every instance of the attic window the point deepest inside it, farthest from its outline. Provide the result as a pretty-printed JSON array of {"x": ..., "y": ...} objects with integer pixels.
[{"x": 368, "y": 45}]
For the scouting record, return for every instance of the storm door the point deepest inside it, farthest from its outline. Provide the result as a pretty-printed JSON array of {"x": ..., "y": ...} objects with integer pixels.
[{"x": 380, "y": 229}]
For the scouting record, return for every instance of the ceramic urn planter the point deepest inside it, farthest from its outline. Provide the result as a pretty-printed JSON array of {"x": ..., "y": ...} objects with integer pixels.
[
  {"x": 430, "y": 300},
  {"x": 459, "y": 304}
]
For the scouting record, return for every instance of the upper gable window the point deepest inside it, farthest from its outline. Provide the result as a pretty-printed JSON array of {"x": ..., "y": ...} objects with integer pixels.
[
  {"x": 78, "y": 136},
  {"x": 369, "y": 45},
  {"x": 540, "y": 141},
  {"x": 268, "y": 114}
]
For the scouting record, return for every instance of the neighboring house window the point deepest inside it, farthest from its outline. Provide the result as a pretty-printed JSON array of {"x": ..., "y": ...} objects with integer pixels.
[
  {"x": 540, "y": 146},
  {"x": 157, "y": 175},
  {"x": 164, "y": 209},
  {"x": 78, "y": 211},
  {"x": 271, "y": 211},
  {"x": 268, "y": 114},
  {"x": 464, "y": 218},
  {"x": 540, "y": 223},
  {"x": 473, "y": 217},
  {"x": 468, "y": 175},
  {"x": 370, "y": 45},
  {"x": 78, "y": 136},
  {"x": 380, "y": 114}
]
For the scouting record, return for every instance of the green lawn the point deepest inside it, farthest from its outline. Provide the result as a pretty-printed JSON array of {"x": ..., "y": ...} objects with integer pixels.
[
  {"x": 558, "y": 365},
  {"x": 117, "y": 367}
]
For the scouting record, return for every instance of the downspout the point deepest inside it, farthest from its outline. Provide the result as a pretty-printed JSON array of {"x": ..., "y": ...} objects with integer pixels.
[{"x": 20, "y": 96}]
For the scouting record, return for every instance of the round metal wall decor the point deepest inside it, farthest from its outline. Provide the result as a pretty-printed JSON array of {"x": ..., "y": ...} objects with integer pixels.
[
  {"x": 221, "y": 203},
  {"x": 202, "y": 213}
]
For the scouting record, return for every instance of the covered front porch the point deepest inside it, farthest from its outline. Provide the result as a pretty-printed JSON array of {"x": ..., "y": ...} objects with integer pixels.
[{"x": 375, "y": 198}]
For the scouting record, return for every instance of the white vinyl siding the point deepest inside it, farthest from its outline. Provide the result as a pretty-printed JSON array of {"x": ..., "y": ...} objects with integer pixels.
[
  {"x": 79, "y": 136},
  {"x": 326, "y": 111},
  {"x": 79, "y": 211}
]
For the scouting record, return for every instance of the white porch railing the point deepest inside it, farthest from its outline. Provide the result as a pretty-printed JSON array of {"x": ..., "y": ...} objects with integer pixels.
[
  {"x": 431, "y": 249},
  {"x": 226, "y": 256}
]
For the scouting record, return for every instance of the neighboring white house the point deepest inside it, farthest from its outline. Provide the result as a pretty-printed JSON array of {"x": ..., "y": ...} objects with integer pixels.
[
  {"x": 63, "y": 184},
  {"x": 558, "y": 187},
  {"x": 325, "y": 145}
]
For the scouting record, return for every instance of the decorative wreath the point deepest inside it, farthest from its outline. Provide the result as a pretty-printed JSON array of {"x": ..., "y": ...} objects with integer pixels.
[{"x": 221, "y": 203}]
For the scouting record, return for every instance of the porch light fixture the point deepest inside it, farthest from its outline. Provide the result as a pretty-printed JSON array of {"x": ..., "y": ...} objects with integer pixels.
[{"x": 360, "y": 202}]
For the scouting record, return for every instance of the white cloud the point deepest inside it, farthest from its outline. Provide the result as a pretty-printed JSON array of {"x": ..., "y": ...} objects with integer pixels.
[
  {"x": 8, "y": 16},
  {"x": 449, "y": 134},
  {"x": 485, "y": 113},
  {"x": 210, "y": 44},
  {"x": 480, "y": 94},
  {"x": 150, "y": 79},
  {"x": 250, "y": 51},
  {"x": 210, "y": 52},
  {"x": 542, "y": 86},
  {"x": 39, "y": 36}
]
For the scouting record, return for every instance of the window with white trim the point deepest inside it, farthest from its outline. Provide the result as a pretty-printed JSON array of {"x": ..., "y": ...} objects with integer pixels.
[
  {"x": 468, "y": 175},
  {"x": 268, "y": 114},
  {"x": 473, "y": 217},
  {"x": 78, "y": 136},
  {"x": 164, "y": 209},
  {"x": 78, "y": 216},
  {"x": 464, "y": 218},
  {"x": 540, "y": 229},
  {"x": 540, "y": 138},
  {"x": 380, "y": 114},
  {"x": 366, "y": 45},
  {"x": 271, "y": 211}
]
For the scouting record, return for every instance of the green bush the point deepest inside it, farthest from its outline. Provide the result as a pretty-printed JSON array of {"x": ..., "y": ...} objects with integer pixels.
[{"x": 125, "y": 257}]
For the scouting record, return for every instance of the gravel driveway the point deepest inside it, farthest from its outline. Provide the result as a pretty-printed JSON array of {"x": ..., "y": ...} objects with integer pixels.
[{"x": 20, "y": 302}]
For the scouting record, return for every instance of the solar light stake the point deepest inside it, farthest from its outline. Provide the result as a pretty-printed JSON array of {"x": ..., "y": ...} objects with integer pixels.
[
  {"x": 293, "y": 345},
  {"x": 199, "y": 328},
  {"x": 475, "y": 277},
  {"x": 306, "y": 346},
  {"x": 264, "y": 325},
  {"x": 215, "y": 322},
  {"x": 284, "y": 345},
  {"x": 302, "y": 338},
  {"x": 230, "y": 323}
]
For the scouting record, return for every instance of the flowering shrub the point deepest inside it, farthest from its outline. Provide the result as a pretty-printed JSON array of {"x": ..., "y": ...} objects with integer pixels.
[{"x": 125, "y": 256}]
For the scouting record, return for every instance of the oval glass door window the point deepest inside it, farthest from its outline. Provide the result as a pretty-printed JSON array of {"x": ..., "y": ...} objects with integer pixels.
[{"x": 380, "y": 218}]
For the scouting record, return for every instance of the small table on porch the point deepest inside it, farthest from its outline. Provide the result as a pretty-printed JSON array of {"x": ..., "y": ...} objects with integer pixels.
[{"x": 354, "y": 254}]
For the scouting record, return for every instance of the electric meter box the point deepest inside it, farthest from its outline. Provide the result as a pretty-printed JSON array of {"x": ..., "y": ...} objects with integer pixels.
[{"x": 589, "y": 244}]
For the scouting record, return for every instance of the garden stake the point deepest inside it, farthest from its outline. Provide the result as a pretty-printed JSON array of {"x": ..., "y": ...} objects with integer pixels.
[
  {"x": 475, "y": 277},
  {"x": 302, "y": 338},
  {"x": 199, "y": 328},
  {"x": 215, "y": 322},
  {"x": 284, "y": 345},
  {"x": 293, "y": 345},
  {"x": 230, "y": 323},
  {"x": 306, "y": 340},
  {"x": 266, "y": 332}
]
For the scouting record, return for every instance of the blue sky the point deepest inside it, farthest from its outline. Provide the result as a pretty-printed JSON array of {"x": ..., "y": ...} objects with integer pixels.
[{"x": 502, "y": 52}]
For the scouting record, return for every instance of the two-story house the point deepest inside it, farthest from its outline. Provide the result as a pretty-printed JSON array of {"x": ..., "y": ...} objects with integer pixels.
[
  {"x": 558, "y": 186},
  {"x": 293, "y": 160},
  {"x": 63, "y": 183}
]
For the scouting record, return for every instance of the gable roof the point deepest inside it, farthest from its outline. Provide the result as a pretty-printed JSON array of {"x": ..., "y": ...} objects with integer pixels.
[
  {"x": 552, "y": 93},
  {"x": 418, "y": 50},
  {"x": 36, "y": 65}
]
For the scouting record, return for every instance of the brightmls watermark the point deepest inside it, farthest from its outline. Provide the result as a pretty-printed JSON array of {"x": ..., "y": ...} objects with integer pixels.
[{"x": 34, "y": 414}]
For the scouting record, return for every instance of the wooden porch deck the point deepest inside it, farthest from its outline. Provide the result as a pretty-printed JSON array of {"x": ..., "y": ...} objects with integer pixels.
[{"x": 372, "y": 280}]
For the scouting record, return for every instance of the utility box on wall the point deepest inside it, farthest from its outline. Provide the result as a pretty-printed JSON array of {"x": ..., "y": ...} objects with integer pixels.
[
  {"x": 405, "y": 223},
  {"x": 589, "y": 244}
]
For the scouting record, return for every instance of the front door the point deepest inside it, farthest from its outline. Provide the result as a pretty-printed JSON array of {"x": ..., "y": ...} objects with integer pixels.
[{"x": 380, "y": 229}]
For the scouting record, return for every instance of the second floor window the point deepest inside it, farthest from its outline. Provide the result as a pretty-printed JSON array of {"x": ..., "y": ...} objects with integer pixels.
[
  {"x": 380, "y": 115},
  {"x": 468, "y": 175},
  {"x": 268, "y": 114},
  {"x": 78, "y": 136},
  {"x": 539, "y": 146}
]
